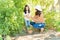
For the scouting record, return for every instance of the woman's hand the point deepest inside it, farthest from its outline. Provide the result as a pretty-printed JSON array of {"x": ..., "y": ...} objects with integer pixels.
[{"x": 28, "y": 16}]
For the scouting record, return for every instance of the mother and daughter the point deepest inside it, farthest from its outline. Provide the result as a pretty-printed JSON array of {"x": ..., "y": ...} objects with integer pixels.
[{"x": 38, "y": 19}]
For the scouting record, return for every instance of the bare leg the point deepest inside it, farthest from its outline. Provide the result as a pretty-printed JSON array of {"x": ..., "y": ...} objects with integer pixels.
[{"x": 42, "y": 29}]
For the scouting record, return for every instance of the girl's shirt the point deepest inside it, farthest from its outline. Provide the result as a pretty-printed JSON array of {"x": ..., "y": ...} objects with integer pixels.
[{"x": 27, "y": 16}]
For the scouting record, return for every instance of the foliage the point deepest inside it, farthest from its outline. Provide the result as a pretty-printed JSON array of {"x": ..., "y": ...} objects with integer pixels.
[{"x": 12, "y": 19}]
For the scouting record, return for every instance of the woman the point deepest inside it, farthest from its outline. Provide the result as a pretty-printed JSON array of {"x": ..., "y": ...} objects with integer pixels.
[
  {"x": 38, "y": 19},
  {"x": 26, "y": 16}
]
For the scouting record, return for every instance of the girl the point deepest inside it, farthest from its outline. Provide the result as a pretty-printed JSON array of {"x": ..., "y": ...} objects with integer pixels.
[
  {"x": 26, "y": 16},
  {"x": 38, "y": 19}
]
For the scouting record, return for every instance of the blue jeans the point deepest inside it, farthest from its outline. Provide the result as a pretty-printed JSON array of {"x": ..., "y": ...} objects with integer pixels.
[
  {"x": 37, "y": 25},
  {"x": 27, "y": 23}
]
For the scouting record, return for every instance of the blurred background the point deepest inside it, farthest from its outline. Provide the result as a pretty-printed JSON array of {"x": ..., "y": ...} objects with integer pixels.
[{"x": 12, "y": 19}]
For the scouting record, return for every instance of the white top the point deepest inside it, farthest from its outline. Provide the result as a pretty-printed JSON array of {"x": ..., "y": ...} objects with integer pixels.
[{"x": 26, "y": 16}]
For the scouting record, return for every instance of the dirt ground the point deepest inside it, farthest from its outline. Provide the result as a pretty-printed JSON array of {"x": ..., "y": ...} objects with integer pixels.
[{"x": 50, "y": 35}]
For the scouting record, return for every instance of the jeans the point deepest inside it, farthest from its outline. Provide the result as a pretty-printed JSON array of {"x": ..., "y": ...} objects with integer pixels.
[
  {"x": 27, "y": 23},
  {"x": 37, "y": 25}
]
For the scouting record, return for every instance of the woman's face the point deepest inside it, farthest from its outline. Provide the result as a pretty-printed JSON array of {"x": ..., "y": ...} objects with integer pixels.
[
  {"x": 35, "y": 10},
  {"x": 26, "y": 8}
]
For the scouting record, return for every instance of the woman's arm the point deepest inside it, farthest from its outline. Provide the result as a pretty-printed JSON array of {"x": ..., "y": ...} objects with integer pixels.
[
  {"x": 34, "y": 19},
  {"x": 41, "y": 19},
  {"x": 26, "y": 15}
]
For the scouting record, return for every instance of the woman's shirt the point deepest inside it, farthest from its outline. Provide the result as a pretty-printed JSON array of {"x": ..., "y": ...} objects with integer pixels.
[{"x": 26, "y": 16}]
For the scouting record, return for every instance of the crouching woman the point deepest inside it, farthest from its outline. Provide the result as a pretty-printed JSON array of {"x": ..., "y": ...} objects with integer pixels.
[{"x": 38, "y": 20}]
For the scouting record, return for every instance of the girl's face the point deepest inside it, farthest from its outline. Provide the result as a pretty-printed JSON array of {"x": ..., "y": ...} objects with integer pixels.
[{"x": 26, "y": 8}]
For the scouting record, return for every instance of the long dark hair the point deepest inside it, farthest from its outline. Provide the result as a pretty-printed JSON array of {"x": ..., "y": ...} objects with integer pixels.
[
  {"x": 38, "y": 12},
  {"x": 25, "y": 9}
]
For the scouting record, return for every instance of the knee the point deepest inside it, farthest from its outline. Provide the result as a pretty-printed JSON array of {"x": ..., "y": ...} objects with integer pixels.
[{"x": 42, "y": 29}]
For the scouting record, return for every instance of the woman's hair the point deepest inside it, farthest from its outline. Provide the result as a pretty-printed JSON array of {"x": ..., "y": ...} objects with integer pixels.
[
  {"x": 38, "y": 12},
  {"x": 25, "y": 9}
]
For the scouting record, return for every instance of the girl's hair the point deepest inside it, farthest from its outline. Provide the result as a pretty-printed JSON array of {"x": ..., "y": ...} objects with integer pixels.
[
  {"x": 38, "y": 12},
  {"x": 25, "y": 9}
]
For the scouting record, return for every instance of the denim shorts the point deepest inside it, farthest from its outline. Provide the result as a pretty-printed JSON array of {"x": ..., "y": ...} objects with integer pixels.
[{"x": 37, "y": 25}]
